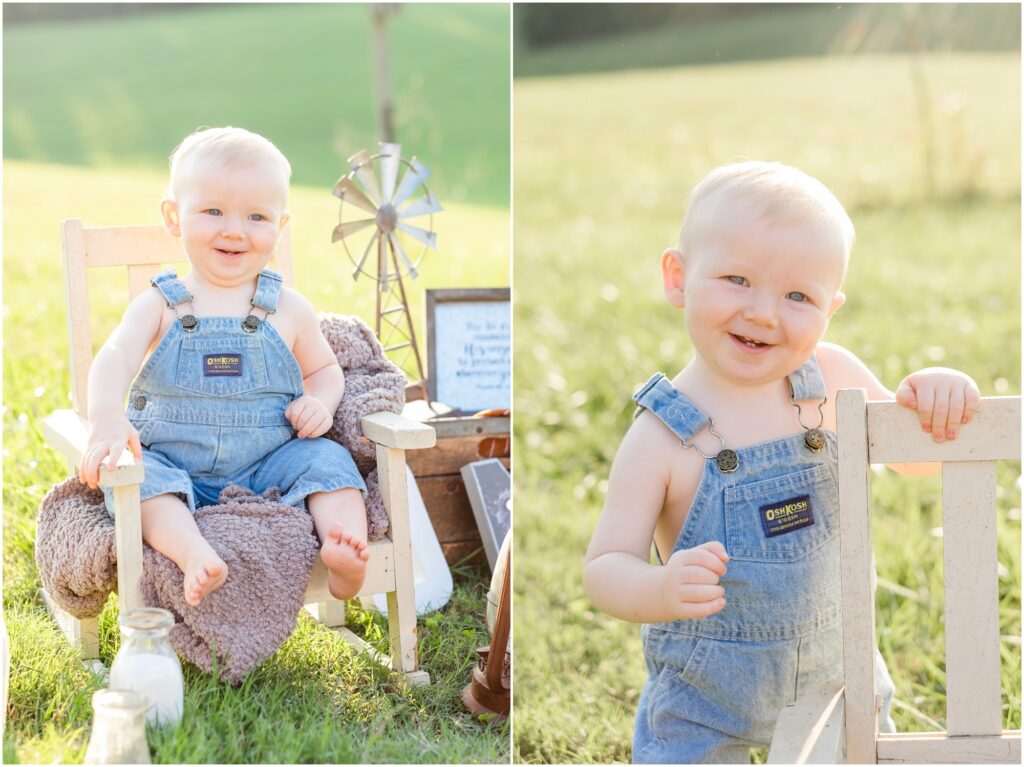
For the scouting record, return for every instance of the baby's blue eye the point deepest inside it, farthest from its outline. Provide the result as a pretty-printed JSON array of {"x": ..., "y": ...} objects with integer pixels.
[
  {"x": 214, "y": 211},
  {"x": 796, "y": 295},
  {"x": 257, "y": 217},
  {"x": 736, "y": 279}
]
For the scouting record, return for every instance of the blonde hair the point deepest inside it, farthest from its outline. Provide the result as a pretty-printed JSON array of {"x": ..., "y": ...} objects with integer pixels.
[
  {"x": 229, "y": 145},
  {"x": 771, "y": 190}
]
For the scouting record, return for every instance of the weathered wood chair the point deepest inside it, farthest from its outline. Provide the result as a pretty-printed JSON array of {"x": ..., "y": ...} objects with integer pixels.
[
  {"x": 145, "y": 250},
  {"x": 838, "y": 725}
]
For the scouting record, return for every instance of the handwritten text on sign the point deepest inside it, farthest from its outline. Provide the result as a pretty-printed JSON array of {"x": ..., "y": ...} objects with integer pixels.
[{"x": 473, "y": 354}]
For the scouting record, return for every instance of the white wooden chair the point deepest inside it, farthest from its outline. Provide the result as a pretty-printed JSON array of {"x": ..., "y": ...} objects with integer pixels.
[
  {"x": 145, "y": 250},
  {"x": 834, "y": 725}
]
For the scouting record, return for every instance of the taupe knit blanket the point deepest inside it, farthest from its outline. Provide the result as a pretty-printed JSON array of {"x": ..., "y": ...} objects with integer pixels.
[{"x": 268, "y": 547}]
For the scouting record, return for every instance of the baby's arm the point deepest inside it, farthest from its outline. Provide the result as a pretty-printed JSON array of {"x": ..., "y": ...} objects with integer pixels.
[
  {"x": 618, "y": 575},
  {"x": 113, "y": 369},
  {"x": 323, "y": 383},
  {"x": 944, "y": 398}
]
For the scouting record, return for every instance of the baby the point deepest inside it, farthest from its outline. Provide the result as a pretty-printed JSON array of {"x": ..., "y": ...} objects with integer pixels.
[
  {"x": 730, "y": 469},
  {"x": 237, "y": 382}
]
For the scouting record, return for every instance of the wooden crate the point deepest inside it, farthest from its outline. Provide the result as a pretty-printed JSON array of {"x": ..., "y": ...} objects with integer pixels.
[{"x": 460, "y": 440}]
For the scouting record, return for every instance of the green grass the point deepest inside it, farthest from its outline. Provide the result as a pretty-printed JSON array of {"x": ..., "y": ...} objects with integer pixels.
[
  {"x": 314, "y": 700},
  {"x": 809, "y": 30},
  {"x": 603, "y": 165},
  {"x": 124, "y": 91}
]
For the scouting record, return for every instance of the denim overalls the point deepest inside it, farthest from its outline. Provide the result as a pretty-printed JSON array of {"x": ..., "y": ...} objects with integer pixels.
[
  {"x": 209, "y": 406},
  {"x": 716, "y": 685}
]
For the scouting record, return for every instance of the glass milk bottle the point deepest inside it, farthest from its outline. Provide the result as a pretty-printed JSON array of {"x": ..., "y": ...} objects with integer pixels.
[
  {"x": 146, "y": 663},
  {"x": 118, "y": 728}
]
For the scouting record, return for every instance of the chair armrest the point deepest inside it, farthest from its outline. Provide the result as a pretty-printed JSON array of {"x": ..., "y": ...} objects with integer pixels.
[
  {"x": 810, "y": 730},
  {"x": 395, "y": 431},
  {"x": 67, "y": 432}
]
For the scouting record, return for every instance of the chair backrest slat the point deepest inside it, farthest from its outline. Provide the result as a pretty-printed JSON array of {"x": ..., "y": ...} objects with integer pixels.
[
  {"x": 144, "y": 251},
  {"x": 973, "y": 695},
  {"x": 856, "y": 565},
  {"x": 895, "y": 435}
]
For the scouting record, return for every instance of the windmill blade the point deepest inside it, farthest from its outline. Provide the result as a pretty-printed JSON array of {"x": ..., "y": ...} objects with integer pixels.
[
  {"x": 414, "y": 177},
  {"x": 397, "y": 247},
  {"x": 360, "y": 164},
  {"x": 421, "y": 207},
  {"x": 391, "y": 159},
  {"x": 366, "y": 254},
  {"x": 382, "y": 264},
  {"x": 341, "y": 231},
  {"x": 427, "y": 238},
  {"x": 349, "y": 192}
]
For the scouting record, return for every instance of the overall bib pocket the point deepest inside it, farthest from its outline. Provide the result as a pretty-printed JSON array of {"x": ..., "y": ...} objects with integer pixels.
[
  {"x": 221, "y": 367},
  {"x": 781, "y": 519}
]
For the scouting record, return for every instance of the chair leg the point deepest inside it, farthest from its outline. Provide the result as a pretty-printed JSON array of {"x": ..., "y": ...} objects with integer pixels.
[
  {"x": 402, "y": 630},
  {"x": 82, "y": 633},
  {"x": 402, "y": 601}
]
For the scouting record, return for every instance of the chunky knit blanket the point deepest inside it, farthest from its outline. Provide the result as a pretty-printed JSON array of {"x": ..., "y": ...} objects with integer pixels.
[{"x": 269, "y": 547}]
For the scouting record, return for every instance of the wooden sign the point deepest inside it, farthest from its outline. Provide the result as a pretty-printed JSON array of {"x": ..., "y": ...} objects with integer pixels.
[
  {"x": 489, "y": 488},
  {"x": 469, "y": 344}
]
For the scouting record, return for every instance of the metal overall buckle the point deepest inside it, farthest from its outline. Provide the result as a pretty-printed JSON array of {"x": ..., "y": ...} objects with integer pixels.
[
  {"x": 814, "y": 437},
  {"x": 726, "y": 460}
]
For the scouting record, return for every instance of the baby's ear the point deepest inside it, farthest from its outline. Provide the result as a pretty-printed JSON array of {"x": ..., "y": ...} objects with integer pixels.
[
  {"x": 169, "y": 210},
  {"x": 838, "y": 300},
  {"x": 673, "y": 277}
]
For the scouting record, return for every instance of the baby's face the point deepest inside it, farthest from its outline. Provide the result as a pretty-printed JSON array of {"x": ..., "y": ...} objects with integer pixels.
[
  {"x": 229, "y": 217},
  {"x": 758, "y": 296}
]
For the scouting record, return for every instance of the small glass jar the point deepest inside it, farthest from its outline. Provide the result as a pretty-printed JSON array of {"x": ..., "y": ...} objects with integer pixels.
[
  {"x": 147, "y": 664},
  {"x": 118, "y": 728}
]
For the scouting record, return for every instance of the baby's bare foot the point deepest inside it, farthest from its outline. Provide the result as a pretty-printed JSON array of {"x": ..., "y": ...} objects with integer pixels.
[
  {"x": 345, "y": 556},
  {"x": 204, "y": 574}
]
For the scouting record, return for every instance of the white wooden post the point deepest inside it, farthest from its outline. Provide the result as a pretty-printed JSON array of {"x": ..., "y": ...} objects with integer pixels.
[
  {"x": 972, "y": 598},
  {"x": 855, "y": 553}
]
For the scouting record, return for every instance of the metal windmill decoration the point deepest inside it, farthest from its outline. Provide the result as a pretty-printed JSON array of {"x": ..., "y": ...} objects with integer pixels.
[{"x": 379, "y": 246}]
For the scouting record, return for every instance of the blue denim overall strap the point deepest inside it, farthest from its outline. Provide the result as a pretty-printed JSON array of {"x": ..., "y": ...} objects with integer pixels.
[
  {"x": 268, "y": 291},
  {"x": 806, "y": 381},
  {"x": 172, "y": 288},
  {"x": 680, "y": 415}
]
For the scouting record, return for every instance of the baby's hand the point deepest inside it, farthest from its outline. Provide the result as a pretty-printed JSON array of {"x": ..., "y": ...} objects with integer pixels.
[
  {"x": 108, "y": 437},
  {"x": 689, "y": 585},
  {"x": 943, "y": 398},
  {"x": 309, "y": 416}
]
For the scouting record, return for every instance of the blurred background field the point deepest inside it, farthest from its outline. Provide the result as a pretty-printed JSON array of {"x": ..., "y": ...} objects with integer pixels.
[
  {"x": 922, "y": 145},
  {"x": 92, "y": 109}
]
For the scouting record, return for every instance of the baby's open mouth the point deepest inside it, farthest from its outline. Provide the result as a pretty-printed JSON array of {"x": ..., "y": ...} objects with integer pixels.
[
  {"x": 230, "y": 252},
  {"x": 749, "y": 341}
]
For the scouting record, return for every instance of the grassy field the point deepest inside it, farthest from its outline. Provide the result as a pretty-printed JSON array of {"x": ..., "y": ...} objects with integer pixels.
[
  {"x": 91, "y": 111},
  {"x": 603, "y": 165},
  {"x": 125, "y": 91}
]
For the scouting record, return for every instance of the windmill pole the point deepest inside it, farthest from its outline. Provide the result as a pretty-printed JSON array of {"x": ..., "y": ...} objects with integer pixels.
[{"x": 382, "y": 71}]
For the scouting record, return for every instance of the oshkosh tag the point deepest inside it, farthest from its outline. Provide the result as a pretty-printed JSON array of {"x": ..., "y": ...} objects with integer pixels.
[
  {"x": 786, "y": 516},
  {"x": 222, "y": 365}
]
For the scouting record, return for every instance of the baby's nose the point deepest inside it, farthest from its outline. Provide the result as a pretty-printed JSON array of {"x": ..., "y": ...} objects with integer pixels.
[
  {"x": 232, "y": 228},
  {"x": 761, "y": 312}
]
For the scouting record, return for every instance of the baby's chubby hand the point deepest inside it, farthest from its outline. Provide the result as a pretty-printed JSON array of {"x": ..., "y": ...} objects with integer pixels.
[
  {"x": 309, "y": 416},
  {"x": 108, "y": 437},
  {"x": 689, "y": 581},
  {"x": 944, "y": 399}
]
